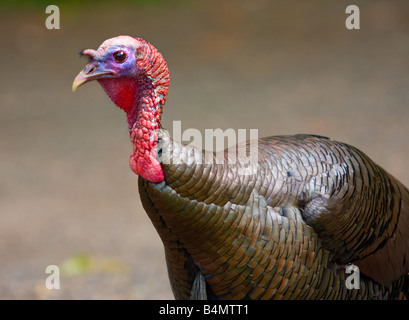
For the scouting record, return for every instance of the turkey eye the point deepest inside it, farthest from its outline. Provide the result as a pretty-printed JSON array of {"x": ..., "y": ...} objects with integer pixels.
[{"x": 120, "y": 56}]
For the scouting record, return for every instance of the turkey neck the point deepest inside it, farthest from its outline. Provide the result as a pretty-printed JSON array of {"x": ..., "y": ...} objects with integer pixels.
[
  {"x": 142, "y": 99},
  {"x": 144, "y": 122}
]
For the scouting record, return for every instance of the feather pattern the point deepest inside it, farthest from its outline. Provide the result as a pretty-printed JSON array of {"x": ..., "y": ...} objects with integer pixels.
[{"x": 286, "y": 233}]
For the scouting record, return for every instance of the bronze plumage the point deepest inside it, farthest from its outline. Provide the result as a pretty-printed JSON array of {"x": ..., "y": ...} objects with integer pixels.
[{"x": 283, "y": 236}]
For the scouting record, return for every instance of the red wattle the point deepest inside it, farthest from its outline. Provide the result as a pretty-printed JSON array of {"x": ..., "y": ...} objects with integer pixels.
[
  {"x": 150, "y": 170},
  {"x": 121, "y": 91},
  {"x": 141, "y": 94}
]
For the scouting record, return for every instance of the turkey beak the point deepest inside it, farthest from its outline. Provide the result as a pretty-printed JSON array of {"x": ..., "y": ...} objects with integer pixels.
[
  {"x": 89, "y": 73},
  {"x": 79, "y": 80}
]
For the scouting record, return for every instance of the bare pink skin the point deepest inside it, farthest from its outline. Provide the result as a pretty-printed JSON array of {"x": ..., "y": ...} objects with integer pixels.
[{"x": 141, "y": 94}]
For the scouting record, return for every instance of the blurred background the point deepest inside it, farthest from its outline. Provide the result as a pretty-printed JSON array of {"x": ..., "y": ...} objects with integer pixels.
[{"x": 67, "y": 194}]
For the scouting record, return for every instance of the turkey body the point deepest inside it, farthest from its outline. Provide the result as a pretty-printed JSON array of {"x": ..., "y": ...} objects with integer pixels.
[
  {"x": 286, "y": 232},
  {"x": 283, "y": 223}
]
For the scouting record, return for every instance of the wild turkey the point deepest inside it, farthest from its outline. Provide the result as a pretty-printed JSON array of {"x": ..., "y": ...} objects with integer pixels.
[{"x": 287, "y": 231}]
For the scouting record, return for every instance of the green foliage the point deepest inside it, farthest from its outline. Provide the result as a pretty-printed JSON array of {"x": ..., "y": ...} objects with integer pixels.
[{"x": 83, "y": 263}]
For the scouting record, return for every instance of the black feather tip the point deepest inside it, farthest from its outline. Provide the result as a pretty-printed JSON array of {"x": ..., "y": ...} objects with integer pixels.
[{"x": 81, "y": 53}]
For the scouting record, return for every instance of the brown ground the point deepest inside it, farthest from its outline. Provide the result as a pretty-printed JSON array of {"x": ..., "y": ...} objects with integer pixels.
[{"x": 67, "y": 195}]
